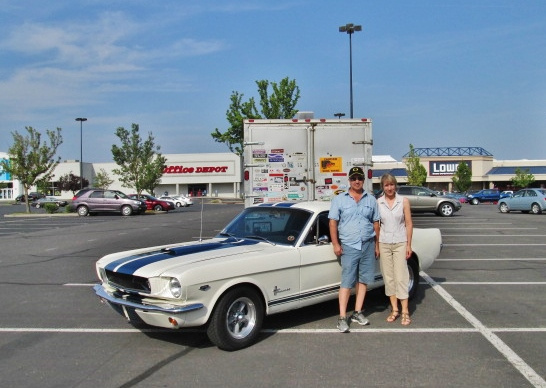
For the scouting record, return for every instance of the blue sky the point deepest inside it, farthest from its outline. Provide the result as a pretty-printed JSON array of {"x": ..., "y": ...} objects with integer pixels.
[{"x": 449, "y": 73}]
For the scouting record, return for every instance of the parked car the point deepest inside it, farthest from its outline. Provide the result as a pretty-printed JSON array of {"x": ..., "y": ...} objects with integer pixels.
[
  {"x": 153, "y": 203},
  {"x": 33, "y": 196},
  {"x": 526, "y": 200},
  {"x": 88, "y": 201},
  {"x": 506, "y": 193},
  {"x": 270, "y": 259},
  {"x": 488, "y": 195},
  {"x": 424, "y": 200},
  {"x": 458, "y": 196},
  {"x": 179, "y": 200},
  {"x": 42, "y": 201}
]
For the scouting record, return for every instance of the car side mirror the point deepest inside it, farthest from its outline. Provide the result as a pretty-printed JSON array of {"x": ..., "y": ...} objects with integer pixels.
[
  {"x": 324, "y": 239},
  {"x": 116, "y": 196}
]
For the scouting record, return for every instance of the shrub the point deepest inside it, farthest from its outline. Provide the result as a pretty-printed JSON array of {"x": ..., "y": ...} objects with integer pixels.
[{"x": 50, "y": 208}]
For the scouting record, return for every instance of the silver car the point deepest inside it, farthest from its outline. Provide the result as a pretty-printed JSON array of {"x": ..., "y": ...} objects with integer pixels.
[
  {"x": 88, "y": 201},
  {"x": 424, "y": 200}
]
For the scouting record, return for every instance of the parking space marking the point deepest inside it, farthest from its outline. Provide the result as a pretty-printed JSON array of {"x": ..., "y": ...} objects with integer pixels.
[
  {"x": 494, "y": 245},
  {"x": 492, "y": 283},
  {"x": 528, "y": 372},
  {"x": 497, "y": 259}
]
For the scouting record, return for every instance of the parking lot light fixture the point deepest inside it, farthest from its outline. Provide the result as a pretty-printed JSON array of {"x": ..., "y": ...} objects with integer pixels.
[
  {"x": 81, "y": 120},
  {"x": 350, "y": 29}
]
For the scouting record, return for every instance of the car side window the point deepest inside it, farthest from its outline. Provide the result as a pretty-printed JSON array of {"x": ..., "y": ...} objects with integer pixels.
[
  {"x": 531, "y": 193},
  {"x": 96, "y": 194},
  {"x": 320, "y": 228},
  {"x": 109, "y": 194}
]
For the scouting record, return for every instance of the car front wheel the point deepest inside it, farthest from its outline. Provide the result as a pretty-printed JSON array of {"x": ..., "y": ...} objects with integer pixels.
[
  {"x": 475, "y": 201},
  {"x": 445, "y": 209},
  {"x": 503, "y": 208},
  {"x": 237, "y": 319},
  {"x": 126, "y": 210}
]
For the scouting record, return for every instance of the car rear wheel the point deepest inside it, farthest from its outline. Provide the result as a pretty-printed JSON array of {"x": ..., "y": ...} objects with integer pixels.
[
  {"x": 83, "y": 211},
  {"x": 158, "y": 208},
  {"x": 445, "y": 209},
  {"x": 237, "y": 319},
  {"x": 126, "y": 210},
  {"x": 535, "y": 208},
  {"x": 503, "y": 207},
  {"x": 413, "y": 269}
]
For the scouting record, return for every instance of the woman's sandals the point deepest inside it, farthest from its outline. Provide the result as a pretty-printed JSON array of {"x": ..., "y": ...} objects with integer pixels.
[
  {"x": 393, "y": 316},
  {"x": 406, "y": 320}
]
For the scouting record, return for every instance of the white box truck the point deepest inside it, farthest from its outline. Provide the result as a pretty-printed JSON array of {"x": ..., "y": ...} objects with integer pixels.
[{"x": 303, "y": 159}]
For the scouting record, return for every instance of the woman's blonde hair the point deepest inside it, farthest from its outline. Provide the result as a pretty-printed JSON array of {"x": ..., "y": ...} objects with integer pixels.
[{"x": 388, "y": 178}]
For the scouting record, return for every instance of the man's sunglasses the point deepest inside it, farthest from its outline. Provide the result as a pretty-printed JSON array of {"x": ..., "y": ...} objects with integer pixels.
[{"x": 356, "y": 178}]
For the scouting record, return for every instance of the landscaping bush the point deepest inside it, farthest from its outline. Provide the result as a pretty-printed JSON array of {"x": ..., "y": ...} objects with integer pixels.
[{"x": 50, "y": 208}]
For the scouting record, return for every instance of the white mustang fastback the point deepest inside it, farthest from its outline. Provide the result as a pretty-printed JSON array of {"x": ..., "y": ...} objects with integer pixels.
[{"x": 271, "y": 258}]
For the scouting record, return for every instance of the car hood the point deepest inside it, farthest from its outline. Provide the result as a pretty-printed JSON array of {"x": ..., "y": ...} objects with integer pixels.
[{"x": 150, "y": 262}]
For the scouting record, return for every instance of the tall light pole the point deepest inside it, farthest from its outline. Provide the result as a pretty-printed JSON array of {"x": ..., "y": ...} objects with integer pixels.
[
  {"x": 350, "y": 28},
  {"x": 81, "y": 120}
]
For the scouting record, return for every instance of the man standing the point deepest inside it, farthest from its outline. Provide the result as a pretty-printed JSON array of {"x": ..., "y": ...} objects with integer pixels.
[{"x": 354, "y": 228}]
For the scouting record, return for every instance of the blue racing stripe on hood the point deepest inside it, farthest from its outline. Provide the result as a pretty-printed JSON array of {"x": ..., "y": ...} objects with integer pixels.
[{"x": 129, "y": 265}]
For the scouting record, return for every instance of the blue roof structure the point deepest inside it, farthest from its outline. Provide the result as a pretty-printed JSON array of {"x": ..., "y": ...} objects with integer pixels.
[
  {"x": 450, "y": 151},
  {"x": 511, "y": 170},
  {"x": 397, "y": 172}
]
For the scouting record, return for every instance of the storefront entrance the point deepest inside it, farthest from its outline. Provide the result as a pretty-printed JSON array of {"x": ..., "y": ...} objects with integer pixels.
[{"x": 197, "y": 190}]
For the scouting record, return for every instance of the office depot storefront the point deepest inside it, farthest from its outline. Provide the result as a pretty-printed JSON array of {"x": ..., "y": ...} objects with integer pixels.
[{"x": 213, "y": 175}]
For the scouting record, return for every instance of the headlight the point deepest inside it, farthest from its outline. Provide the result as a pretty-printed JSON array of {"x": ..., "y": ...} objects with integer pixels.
[
  {"x": 175, "y": 287},
  {"x": 137, "y": 203}
]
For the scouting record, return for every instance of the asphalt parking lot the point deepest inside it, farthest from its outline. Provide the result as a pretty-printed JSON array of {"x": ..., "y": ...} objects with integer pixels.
[{"x": 478, "y": 318}]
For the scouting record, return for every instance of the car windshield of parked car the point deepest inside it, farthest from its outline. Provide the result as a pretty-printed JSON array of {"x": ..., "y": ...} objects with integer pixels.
[{"x": 276, "y": 225}]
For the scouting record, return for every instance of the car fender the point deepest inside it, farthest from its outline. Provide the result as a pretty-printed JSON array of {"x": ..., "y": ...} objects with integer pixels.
[{"x": 426, "y": 244}]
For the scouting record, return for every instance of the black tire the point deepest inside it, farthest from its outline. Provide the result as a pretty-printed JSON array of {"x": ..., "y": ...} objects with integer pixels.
[
  {"x": 158, "y": 208},
  {"x": 503, "y": 208},
  {"x": 237, "y": 319},
  {"x": 37, "y": 206},
  {"x": 83, "y": 211},
  {"x": 178, "y": 204},
  {"x": 126, "y": 210},
  {"x": 413, "y": 269},
  {"x": 475, "y": 201},
  {"x": 446, "y": 209},
  {"x": 535, "y": 208}
]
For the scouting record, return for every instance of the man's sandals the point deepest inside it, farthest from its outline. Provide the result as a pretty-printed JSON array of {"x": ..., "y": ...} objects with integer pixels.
[
  {"x": 406, "y": 320},
  {"x": 393, "y": 316}
]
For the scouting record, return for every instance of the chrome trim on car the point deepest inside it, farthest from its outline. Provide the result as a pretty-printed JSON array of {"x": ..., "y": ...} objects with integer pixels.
[{"x": 105, "y": 295}]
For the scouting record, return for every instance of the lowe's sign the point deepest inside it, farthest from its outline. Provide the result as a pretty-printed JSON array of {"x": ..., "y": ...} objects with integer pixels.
[{"x": 439, "y": 168}]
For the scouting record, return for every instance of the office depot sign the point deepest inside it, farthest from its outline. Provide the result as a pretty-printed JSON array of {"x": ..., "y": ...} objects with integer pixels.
[{"x": 195, "y": 170}]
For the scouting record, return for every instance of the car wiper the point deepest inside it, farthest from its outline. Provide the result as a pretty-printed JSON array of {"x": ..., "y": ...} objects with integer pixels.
[{"x": 260, "y": 238}]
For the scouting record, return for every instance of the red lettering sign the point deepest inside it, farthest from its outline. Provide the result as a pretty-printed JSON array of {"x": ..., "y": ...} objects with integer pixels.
[{"x": 191, "y": 170}]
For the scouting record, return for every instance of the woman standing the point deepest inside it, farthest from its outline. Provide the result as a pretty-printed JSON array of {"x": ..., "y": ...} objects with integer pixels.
[{"x": 396, "y": 230}]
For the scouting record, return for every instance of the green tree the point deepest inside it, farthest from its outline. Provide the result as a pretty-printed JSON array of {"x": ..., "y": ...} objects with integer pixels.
[
  {"x": 31, "y": 160},
  {"x": 462, "y": 180},
  {"x": 102, "y": 179},
  {"x": 140, "y": 163},
  {"x": 71, "y": 182},
  {"x": 523, "y": 178},
  {"x": 417, "y": 173},
  {"x": 279, "y": 105}
]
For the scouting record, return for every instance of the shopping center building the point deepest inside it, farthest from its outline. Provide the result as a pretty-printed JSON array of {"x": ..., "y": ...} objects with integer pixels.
[{"x": 220, "y": 174}]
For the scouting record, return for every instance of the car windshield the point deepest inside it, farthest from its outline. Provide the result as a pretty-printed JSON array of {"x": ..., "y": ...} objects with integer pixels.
[{"x": 273, "y": 224}]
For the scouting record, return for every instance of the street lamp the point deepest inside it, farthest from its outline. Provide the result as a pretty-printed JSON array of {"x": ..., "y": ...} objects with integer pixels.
[
  {"x": 81, "y": 120},
  {"x": 350, "y": 28}
]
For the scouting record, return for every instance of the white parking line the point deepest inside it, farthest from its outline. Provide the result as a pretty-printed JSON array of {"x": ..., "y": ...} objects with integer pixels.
[
  {"x": 497, "y": 259},
  {"x": 491, "y": 245},
  {"x": 528, "y": 372}
]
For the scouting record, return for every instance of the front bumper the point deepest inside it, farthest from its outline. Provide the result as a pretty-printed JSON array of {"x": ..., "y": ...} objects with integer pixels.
[{"x": 116, "y": 300}]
